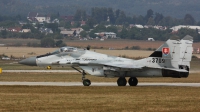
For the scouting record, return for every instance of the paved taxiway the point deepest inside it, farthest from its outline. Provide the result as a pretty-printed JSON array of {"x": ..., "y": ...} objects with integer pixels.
[
  {"x": 95, "y": 84},
  {"x": 80, "y": 83},
  {"x": 42, "y": 71},
  {"x": 59, "y": 71}
]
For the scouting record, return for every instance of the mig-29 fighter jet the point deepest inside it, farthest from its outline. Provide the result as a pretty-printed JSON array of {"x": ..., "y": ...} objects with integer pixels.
[{"x": 172, "y": 59}]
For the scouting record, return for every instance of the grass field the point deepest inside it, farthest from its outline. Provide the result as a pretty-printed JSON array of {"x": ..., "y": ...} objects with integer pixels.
[
  {"x": 30, "y": 51},
  {"x": 119, "y": 43},
  {"x": 98, "y": 99},
  {"x": 116, "y": 44}
]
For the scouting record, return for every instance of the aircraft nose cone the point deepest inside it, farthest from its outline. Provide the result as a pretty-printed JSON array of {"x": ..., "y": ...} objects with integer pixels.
[{"x": 29, "y": 61}]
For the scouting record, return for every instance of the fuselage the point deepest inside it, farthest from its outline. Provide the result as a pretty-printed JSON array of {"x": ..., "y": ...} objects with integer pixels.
[{"x": 94, "y": 63}]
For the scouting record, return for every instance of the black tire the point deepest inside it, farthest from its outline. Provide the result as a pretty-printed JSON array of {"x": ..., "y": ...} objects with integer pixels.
[
  {"x": 133, "y": 81},
  {"x": 86, "y": 82},
  {"x": 121, "y": 81}
]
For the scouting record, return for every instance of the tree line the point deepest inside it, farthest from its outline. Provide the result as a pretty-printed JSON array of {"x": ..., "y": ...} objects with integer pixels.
[{"x": 117, "y": 19}]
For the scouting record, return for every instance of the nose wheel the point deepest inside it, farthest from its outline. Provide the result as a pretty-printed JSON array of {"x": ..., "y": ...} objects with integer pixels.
[{"x": 86, "y": 82}]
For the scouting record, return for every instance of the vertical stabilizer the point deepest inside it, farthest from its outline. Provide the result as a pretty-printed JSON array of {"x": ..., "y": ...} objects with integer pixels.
[
  {"x": 174, "y": 53},
  {"x": 186, "y": 52}
]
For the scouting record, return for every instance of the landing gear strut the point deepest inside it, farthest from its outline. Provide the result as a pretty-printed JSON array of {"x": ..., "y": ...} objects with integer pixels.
[
  {"x": 121, "y": 81},
  {"x": 133, "y": 81},
  {"x": 86, "y": 82}
]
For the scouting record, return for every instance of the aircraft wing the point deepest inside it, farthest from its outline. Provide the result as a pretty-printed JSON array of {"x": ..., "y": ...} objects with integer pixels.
[
  {"x": 132, "y": 66},
  {"x": 115, "y": 65},
  {"x": 125, "y": 66}
]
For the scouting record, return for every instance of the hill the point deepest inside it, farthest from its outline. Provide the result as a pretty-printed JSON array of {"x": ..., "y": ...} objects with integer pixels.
[{"x": 174, "y": 8}]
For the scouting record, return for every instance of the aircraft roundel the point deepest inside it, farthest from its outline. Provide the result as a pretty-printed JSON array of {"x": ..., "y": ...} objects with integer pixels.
[{"x": 165, "y": 51}]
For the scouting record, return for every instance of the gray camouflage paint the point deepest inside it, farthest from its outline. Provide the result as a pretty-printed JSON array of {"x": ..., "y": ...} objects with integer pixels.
[{"x": 175, "y": 62}]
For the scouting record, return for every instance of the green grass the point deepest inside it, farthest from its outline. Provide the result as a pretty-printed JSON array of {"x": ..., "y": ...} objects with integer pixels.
[{"x": 98, "y": 99}]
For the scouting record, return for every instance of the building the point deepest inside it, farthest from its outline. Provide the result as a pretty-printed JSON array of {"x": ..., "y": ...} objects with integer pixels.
[
  {"x": 107, "y": 34},
  {"x": 14, "y": 29},
  {"x": 138, "y": 26},
  {"x": 36, "y": 17},
  {"x": 67, "y": 18},
  {"x": 46, "y": 30},
  {"x": 26, "y": 30},
  {"x": 67, "y": 33},
  {"x": 176, "y": 28}
]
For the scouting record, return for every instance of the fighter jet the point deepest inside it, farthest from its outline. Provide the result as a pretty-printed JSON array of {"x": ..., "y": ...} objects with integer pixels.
[{"x": 172, "y": 59}]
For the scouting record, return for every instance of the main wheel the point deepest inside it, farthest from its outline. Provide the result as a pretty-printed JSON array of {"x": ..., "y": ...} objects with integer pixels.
[
  {"x": 121, "y": 81},
  {"x": 86, "y": 82},
  {"x": 133, "y": 81}
]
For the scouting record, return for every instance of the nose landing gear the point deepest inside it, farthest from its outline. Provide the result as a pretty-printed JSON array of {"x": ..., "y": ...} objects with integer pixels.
[{"x": 86, "y": 82}]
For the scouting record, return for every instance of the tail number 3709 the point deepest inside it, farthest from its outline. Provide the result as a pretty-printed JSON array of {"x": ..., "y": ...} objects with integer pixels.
[{"x": 158, "y": 60}]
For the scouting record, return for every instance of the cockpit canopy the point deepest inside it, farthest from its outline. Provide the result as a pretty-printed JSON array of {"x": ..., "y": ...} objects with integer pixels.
[
  {"x": 68, "y": 49},
  {"x": 61, "y": 50}
]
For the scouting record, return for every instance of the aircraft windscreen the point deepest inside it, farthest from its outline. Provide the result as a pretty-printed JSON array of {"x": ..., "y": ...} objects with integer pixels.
[
  {"x": 68, "y": 49},
  {"x": 62, "y": 49},
  {"x": 55, "y": 52},
  {"x": 48, "y": 54}
]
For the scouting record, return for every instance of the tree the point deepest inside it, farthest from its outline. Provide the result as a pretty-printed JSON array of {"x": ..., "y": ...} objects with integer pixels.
[
  {"x": 112, "y": 29},
  {"x": 60, "y": 43},
  {"x": 140, "y": 20},
  {"x": 111, "y": 15},
  {"x": 122, "y": 18},
  {"x": 4, "y": 33},
  {"x": 53, "y": 26},
  {"x": 86, "y": 27},
  {"x": 124, "y": 33},
  {"x": 77, "y": 16},
  {"x": 47, "y": 42},
  {"x": 151, "y": 21},
  {"x": 189, "y": 20},
  {"x": 83, "y": 34},
  {"x": 92, "y": 33},
  {"x": 149, "y": 14},
  {"x": 91, "y": 22},
  {"x": 100, "y": 28},
  {"x": 158, "y": 18}
]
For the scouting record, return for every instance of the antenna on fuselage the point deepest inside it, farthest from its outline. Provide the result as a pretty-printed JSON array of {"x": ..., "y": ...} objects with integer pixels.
[{"x": 88, "y": 47}]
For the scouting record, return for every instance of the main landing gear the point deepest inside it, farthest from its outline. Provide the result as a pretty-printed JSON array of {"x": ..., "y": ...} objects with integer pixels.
[
  {"x": 86, "y": 82},
  {"x": 122, "y": 81}
]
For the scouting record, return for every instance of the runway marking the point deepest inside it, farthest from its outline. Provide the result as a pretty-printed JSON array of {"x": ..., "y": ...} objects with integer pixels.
[{"x": 95, "y": 84}]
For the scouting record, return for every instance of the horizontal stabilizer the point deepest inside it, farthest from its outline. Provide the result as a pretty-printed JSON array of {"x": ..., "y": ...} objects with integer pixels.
[{"x": 173, "y": 69}]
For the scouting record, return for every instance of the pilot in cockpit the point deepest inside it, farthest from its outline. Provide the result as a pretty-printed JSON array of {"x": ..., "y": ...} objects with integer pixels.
[{"x": 67, "y": 49}]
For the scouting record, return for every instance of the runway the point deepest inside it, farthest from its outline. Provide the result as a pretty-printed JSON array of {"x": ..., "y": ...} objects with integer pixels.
[
  {"x": 93, "y": 84},
  {"x": 57, "y": 71},
  {"x": 40, "y": 71}
]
